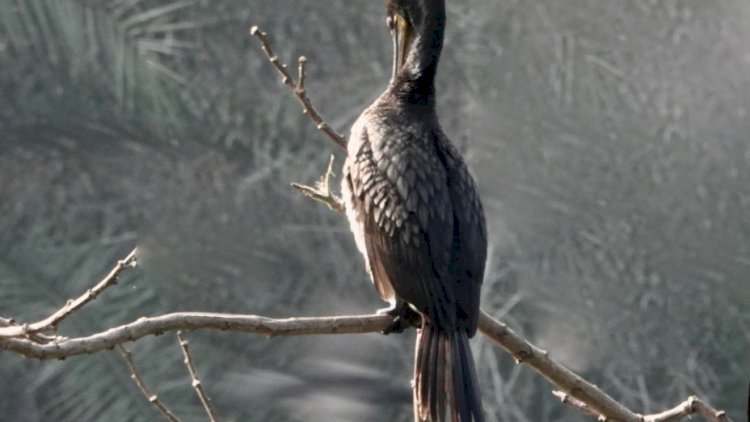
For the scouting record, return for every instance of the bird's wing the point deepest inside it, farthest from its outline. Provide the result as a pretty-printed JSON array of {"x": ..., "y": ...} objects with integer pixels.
[
  {"x": 470, "y": 242},
  {"x": 400, "y": 193}
]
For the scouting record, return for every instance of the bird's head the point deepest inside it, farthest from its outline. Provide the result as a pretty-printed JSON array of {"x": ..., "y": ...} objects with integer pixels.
[{"x": 416, "y": 27}]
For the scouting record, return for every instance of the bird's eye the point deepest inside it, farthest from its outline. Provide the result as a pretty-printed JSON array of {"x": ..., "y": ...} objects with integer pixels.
[{"x": 391, "y": 22}]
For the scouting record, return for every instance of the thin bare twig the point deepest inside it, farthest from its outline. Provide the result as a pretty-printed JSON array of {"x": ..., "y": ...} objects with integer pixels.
[
  {"x": 72, "y": 305},
  {"x": 298, "y": 88},
  {"x": 322, "y": 190},
  {"x": 135, "y": 375},
  {"x": 301, "y": 73},
  {"x": 196, "y": 382}
]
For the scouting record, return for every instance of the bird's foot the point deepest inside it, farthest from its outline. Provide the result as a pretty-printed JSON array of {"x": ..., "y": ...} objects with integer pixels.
[{"x": 403, "y": 317}]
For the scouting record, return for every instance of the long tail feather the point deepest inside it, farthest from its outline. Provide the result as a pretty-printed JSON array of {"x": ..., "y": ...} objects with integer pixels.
[{"x": 445, "y": 377}]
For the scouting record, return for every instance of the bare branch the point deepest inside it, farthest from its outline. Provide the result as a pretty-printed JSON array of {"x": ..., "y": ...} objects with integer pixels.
[
  {"x": 577, "y": 404},
  {"x": 578, "y": 392},
  {"x": 72, "y": 305},
  {"x": 688, "y": 407},
  {"x": 196, "y": 382},
  {"x": 322, "y": 190},
  {"x": 39, "y": 338},
  {"x": 195, "y": 321},
  {"x": 298, "y": 88},
  {"x": 565, "y": 379},
  {"x": 135, "y": 375},
  {"x": 571, "y": 384}
]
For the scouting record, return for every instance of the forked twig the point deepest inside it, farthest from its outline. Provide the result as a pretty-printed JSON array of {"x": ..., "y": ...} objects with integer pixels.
[
  {"x": 135, "y": 375},
  {"x": 298, "y": 88},
  {"x": 322, "y": 190},
  {"x": 39, "y": 338},
  {"x": 196, "y": 382}
]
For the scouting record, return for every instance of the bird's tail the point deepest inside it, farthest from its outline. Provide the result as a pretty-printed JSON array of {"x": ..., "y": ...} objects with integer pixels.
[{"x": 445, "y": 377}]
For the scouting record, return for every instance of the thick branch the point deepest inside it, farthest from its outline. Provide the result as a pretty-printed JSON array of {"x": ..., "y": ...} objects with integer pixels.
[{"x": 195, "y": 321}]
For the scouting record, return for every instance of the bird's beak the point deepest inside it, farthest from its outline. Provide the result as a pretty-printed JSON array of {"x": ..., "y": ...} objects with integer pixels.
[{"x": 401, "y": 37}]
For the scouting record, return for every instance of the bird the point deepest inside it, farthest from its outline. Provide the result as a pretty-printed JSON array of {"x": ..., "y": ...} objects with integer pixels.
[{"x": 417, "y": 217}]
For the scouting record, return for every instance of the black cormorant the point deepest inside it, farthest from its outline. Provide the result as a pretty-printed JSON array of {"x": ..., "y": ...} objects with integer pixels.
[{"x": 417, "y": 218}]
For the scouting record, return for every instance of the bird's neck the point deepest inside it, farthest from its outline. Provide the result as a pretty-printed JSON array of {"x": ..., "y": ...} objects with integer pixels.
[{"x": 415, "y": 82}]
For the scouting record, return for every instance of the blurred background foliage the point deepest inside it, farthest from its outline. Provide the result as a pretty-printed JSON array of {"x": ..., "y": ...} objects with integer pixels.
[{"x": 610, "y": 140}]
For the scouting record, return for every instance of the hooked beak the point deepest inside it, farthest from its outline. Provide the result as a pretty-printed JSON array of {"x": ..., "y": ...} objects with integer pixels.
[{"x": 401, "y": 32}]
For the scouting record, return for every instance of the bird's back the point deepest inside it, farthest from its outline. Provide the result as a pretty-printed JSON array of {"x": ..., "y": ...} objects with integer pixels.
[{"x": 415, "y": 212}]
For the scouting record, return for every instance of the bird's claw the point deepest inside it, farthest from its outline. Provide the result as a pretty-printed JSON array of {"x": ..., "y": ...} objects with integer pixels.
[{"x": 403, "y": 317}]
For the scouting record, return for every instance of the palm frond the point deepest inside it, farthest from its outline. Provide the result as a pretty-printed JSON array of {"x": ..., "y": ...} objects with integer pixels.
[{"x": 130, "y": 54}]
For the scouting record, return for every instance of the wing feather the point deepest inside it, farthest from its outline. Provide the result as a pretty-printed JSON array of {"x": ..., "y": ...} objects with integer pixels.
[{"x": 414, "y": 208}]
